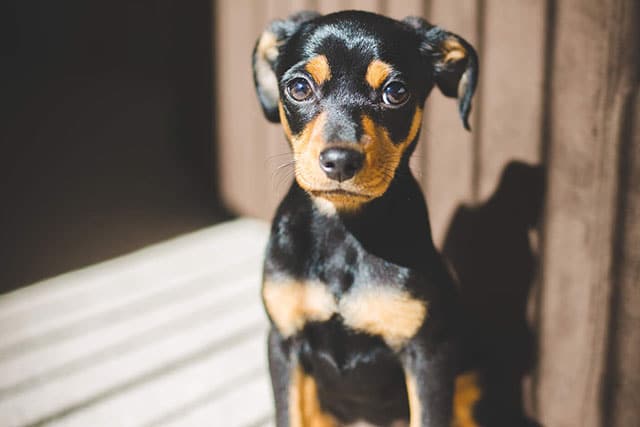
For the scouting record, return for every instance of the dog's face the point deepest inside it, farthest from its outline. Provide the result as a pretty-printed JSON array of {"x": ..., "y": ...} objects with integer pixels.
[{"x": 349, "y": 89}]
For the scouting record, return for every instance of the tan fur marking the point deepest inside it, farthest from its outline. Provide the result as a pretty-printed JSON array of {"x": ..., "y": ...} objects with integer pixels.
[
  {"x": 377, "y": 73},
  {"x": 295, "y": 398},
  {"x": 453, "y": 50},
  {"x": 340, "y": 202},
  {"x": 291, "y": 304},
  {"x": 415, "y": 407},
  {"x": 285, "y": 122},
  {"x": 304, "y": 406},
  {"x": 318, "y": 68},
  {"x": 266, "y": 53},
  {"x": 390, "y": 313},
  {"x": 268, "y": 46},
  {"x": 382, "y": 155},
  {"x": 467, "y": 394}
]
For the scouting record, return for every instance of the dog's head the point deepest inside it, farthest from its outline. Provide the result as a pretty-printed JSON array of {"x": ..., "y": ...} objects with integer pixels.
[{"x": 349, "y": 90}]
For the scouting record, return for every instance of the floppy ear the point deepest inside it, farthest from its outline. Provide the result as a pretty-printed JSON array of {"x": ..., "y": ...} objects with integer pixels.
[
  {"x": 454, "y": 60},
  {"x": 265, "y": 60}
]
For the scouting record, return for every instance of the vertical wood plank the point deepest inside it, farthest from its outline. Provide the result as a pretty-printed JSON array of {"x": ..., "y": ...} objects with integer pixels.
[
  {"x": 368, "y": 5},
  {"x": 510, "y": 105},
  {"x": 401, "y": 9},
  {"x": 594, "y": 78},
  {"x": 299, "y": 5},
  {"x": 512, "y": 88},
  {"x": 622, "y": 382},
  {"x": 447, "y": 147},
  {"x": 237, "y": 107},
  {"x": 624, "y": 357},
  {"x": 329, "y": 6}
]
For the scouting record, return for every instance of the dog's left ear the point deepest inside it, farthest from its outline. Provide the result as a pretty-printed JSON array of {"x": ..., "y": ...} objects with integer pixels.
[
  {"x": 265, "y": 59},
  {"x": 454, "y": 62}
]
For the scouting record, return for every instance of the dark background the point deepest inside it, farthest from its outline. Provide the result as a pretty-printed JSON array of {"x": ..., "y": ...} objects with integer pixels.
[{"x": 106, "y": 131}]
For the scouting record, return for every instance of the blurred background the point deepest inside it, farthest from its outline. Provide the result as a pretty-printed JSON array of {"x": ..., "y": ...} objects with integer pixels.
[
  {"x": 127, "y": 123},
  {"x": 106, "y": 131}
]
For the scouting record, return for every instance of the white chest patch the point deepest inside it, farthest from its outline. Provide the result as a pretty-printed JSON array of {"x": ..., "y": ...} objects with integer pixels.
[{"x": 385, "y": 311}]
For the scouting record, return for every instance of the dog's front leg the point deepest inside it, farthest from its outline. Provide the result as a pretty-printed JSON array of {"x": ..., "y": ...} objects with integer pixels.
[
  {"x": 429, "y": 374},
  {"x": 294, "y": 391},
  {"x": 280, "y": 368}
]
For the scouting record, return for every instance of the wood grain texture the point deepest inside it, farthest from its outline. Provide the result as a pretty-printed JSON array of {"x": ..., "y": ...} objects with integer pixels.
[
  {"x": 622, "y": 383},
  {"x": 240, "y": 123},
  {"x": 621, "y": 389},
  {"x": 298, "y": 5},
  {"x": 328, "y": 6},
  {"x": 402, "y": 9},
  {"x": 447, "y": 148},
  {"x": 368, "y": 5},
  {"x": 593, "y": 77},
  {"x": 511, "y": 78}
]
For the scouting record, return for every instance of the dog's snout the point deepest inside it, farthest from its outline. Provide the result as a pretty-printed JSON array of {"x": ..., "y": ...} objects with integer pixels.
[{"x": 341, "y": 164}]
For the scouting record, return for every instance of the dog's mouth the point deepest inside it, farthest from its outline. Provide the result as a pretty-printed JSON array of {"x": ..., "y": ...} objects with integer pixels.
[
  {"x": 346, "y": 196},
  {"x": 340, "y": 194}
]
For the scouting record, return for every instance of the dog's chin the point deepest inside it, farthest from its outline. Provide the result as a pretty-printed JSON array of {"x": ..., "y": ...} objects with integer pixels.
[
  {"x": 332, "y": 201},
  {"x": 338, "y": 195},
  {"x": 344, "y": 197}
]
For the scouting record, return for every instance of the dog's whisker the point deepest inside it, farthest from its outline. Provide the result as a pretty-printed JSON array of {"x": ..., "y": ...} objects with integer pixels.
[
  {"x": 284, "y": 178},
  {"x": 284, "y": 165},
  {"x": 282, "y": 168}
]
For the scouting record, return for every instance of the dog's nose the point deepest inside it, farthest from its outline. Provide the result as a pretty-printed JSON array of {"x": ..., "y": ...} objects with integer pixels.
[{"x": 341, "y": 164}]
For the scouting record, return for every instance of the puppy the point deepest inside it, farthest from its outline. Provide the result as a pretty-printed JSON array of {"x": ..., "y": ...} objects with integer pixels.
[{"x": 363, "y": 312}]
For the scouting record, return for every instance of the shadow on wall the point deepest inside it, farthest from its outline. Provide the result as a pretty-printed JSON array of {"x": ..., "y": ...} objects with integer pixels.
[{"x": 489, "y": 249}]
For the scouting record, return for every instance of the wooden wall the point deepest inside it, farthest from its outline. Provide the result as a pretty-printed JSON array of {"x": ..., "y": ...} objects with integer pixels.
[{"x": 557, "y": 109}]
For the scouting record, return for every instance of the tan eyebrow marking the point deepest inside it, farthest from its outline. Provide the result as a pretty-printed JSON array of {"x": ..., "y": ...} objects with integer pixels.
[
  {"x": 319, "y": 69},
  {"x": 377, "y": 73}
]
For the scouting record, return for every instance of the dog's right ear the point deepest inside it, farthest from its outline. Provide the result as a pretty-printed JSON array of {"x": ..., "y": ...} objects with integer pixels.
[{"x": 265, "y": 60}]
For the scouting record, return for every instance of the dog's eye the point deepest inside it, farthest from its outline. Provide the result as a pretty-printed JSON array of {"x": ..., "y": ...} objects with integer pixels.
[
  {"x": 300, "y": 89},
  {"x": 395, "y": 93}
]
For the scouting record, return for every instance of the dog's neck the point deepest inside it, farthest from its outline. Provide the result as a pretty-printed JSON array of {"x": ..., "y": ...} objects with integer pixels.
[{"x": 394, "y": 226}]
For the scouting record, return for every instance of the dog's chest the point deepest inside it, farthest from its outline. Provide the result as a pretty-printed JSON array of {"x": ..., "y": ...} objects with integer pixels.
[
  {"x": 363, "y": 293},
  {"x": 376, "y": 309}
]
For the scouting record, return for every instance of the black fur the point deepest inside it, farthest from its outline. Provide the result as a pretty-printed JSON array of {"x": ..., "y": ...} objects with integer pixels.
[{"x": 388, "y": 240}]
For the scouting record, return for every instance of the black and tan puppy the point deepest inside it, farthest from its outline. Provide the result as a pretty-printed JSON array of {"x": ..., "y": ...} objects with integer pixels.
[{"x": 362, "y": 308}]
